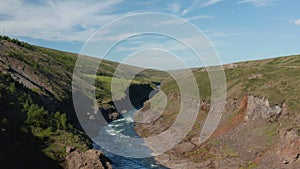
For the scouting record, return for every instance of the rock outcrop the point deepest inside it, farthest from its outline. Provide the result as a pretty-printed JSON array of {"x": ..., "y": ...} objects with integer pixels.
[
  {"x": 255, "y": 76},
  {"x": 259, "y": 108},
  {"x": 286, "y": 153},
  {"x": 91, "y": 159},
  {"x": 234, "y": 144},
  {"x": 114, "y": 116},
  {"x": 110, "y": 113},
  {"x": 135, "y": 96},
  {"x": 289, "y": 146}
]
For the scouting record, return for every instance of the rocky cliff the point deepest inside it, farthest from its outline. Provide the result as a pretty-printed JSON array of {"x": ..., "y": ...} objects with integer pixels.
[
  {"x": 135, "y": 96},
  {"x": 246, "y": 137}
]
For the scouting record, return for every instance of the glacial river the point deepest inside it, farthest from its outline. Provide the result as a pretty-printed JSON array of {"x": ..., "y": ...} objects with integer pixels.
[{"x": 125, "y": 126}]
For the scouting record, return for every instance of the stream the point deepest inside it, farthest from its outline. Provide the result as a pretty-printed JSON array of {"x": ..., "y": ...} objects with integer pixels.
[{"x": 125, "y": 126}]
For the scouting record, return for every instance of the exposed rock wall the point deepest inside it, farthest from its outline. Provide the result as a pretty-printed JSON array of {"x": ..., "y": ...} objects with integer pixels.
[
  {"x": 234, "y": 144},
  {"x": 136, "y": 95},
  {"x": 286, "y": 154},
  {"x": 259, "y": 108}
]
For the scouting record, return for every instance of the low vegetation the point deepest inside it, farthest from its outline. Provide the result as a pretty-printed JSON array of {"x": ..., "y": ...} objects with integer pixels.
[
  {"x": 36, "y": 101},
  {"x": 277, "y": 79},
  {"x": 22, "y": 114},
  {"x": 40, "y": 115}
]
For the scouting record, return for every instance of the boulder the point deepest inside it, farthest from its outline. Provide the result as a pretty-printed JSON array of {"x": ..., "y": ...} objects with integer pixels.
[
  {"x": 91, "y": 159},
  {"x": 185, "y": 147},
  {"x": 114, "y": 116}
]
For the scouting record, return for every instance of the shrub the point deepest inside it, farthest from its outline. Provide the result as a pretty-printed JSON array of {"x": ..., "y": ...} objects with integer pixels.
[
  {"x": 63, "y": 121},
  {"x": 44, "y": 134},
  {"x": 12, "y": 87},
  {"x": 37, "y": 116},
  {"x": 57, "y": 120}
]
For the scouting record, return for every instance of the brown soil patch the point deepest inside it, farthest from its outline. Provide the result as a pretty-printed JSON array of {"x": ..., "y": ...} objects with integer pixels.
[
  {"x": 233, "y": 122},
  {"x": 258, "y": 160}
]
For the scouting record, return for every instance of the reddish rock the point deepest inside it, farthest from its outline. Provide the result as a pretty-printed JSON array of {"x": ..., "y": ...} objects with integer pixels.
[
  {"x": 289, "y": 146},
  {"x": 286, "y": 154}
]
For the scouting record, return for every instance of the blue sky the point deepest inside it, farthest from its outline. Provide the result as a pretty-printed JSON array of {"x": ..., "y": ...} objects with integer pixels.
[{"x": 239, "y": 29}]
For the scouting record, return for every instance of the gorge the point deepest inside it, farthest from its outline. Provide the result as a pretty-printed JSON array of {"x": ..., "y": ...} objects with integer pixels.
[{"x": 259, "y": 128}]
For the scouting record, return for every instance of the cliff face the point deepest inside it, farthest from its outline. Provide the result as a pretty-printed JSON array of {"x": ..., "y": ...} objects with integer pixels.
[
  {"x": 135, "y": 96},
  {"x": 246, "y": 137}
]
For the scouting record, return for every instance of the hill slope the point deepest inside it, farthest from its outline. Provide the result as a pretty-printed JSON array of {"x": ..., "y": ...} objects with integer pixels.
[
  {"x": 37, "y": 119},
  {"x": 259, "y": 125},
  {"x": 260, "y": 128}
]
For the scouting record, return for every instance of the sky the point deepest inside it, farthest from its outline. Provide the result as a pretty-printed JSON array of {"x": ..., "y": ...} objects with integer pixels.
[{"x": 238, "y": 30}]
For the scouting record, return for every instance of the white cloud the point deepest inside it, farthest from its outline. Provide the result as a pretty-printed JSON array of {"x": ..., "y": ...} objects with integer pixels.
[
  {"x": 257, "y": 2},
  {"x": 209, "y": 3},
  {"x": 199, "y": 17},
  {"x": 56, "y": 20},
  {"x": 196, "y": 4},
  {"x": 76, "y": 20},
  {"x": 296, "y": 21}
]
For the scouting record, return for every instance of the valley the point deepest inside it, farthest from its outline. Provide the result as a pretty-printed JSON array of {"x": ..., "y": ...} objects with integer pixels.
[{"x": 260, "y": 127}]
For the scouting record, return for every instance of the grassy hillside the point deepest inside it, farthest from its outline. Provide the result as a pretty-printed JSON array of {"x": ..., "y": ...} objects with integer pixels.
[
  {"x": 236, "y": 144},
  {"x": 277, "y": 79},
  {"x": 36, "y": 111},
  {"x": 38, "y": 122}
]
